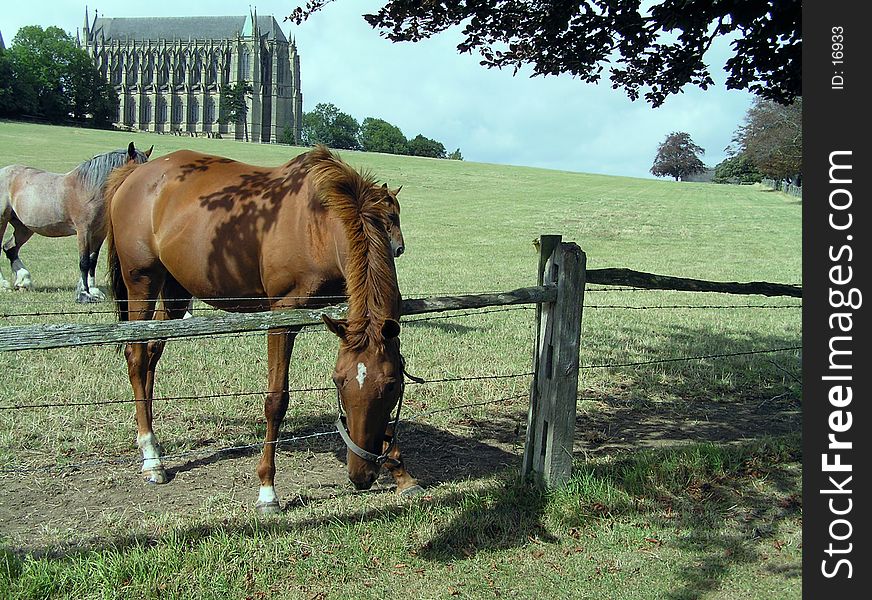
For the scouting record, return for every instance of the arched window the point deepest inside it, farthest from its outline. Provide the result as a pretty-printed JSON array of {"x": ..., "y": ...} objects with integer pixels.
[
  {"x": 145, "y": 115},
  {"x": 163, "y": 76},
  {"x": 130, "y": 117},
  {"x": 161, "y": 113},
  {"x": 194, "y": 111},
  {"x": 246, "y": 63},
  {"x": 209, "y": 110},
  {"x": 178, "y": 111}
]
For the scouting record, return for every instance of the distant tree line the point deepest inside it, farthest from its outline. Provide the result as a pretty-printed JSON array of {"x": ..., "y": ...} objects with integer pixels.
[
  {"x": 327, "y": 125},
  {"x": 767, "y": 144},
  {"x": 44, "y": 75}
]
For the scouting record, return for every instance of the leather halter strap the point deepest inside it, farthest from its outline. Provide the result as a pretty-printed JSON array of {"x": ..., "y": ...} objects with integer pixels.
[{"x": 391, "y": 440}]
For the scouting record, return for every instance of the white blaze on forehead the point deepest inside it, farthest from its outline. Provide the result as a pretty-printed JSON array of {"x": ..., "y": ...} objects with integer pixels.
[{"x": 361, "y": 374}]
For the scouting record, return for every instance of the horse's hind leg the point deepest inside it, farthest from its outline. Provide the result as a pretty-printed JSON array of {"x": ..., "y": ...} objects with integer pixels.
[
  {"x": 21, "y": 233},
  {"x": 280, "y": 344},
  {"x": 95, "y": 241},
  {"x": 88, "y": 251}
]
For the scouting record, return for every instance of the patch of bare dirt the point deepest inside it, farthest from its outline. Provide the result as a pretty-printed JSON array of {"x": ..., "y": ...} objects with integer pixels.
[{"x": 84, "y": 503}]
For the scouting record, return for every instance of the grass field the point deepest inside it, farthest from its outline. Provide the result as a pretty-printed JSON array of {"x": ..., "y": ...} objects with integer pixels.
[{"x": 687, "y": 481}]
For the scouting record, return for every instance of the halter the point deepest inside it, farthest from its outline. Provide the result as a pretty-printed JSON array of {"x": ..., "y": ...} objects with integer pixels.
[{"x": 342, "y": 426}]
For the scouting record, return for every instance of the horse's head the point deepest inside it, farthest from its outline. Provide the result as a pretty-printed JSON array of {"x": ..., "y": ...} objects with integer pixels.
[
  {"x": 369, "y": 381},
  {"x": 398, "y": 246},
  {"x": 137, "y": 156}
]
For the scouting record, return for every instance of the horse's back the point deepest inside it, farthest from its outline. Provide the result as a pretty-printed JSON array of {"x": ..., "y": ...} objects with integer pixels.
[
  {"x": 38, "y": 198},
  {"x": 217, "y": 225}
]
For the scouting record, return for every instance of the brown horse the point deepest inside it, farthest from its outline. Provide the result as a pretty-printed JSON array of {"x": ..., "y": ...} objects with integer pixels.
[
  {"x": 58, "y": 205},
  {"x": 247, "y": 238}
]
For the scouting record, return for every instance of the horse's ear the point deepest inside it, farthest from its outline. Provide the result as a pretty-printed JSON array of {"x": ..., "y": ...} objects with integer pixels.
[
  {"x": 390, "y": 329},
  {"x": 337, "y": 326},
  {"x": 131, "y": 151},
  {"x": 148, "y": 152},
  {"x": 384, "y": 186},
  {"x": 397, "y": 191}
]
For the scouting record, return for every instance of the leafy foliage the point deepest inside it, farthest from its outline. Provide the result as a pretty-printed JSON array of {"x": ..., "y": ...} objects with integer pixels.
[
  {"x": 771, "y": 137},
  {"x": 678, "y": 157},
  {"x": 424, "y": 146},
  {"x": 234, "y": 107},
  {"x": 44, "y": 74},
  {"x": 737, "y": 169},
  {"x": 661, "y": 49},
  {"x": 327, "y": 125},
  {"x": 377, "y": 135}
]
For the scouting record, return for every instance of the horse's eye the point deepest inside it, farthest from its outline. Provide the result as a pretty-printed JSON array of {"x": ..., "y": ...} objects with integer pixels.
[{"x": 390, "y": 387}]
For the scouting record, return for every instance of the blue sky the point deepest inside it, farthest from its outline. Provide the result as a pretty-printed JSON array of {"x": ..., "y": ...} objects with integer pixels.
[{"x": 428, "y": 88}]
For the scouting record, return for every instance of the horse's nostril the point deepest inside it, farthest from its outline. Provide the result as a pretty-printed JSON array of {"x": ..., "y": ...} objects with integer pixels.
[{"x": 400, "y": 250}]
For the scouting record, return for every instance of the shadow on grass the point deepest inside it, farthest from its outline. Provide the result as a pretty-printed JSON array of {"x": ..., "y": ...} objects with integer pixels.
[{"x": 708, "y": 461}]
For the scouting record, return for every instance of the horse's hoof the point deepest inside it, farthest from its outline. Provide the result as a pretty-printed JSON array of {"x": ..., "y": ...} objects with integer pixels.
[
  {"x": 157, "y": 476},
  {"x": 411, "y": 491},
  {"x": 268, "y": 508},
  {"x": 97, "y": 295},
  {"x": 83, "y": 298}
]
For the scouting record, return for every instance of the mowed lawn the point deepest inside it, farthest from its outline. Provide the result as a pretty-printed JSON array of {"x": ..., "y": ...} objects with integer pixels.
[{"x": 687, "y": 481}]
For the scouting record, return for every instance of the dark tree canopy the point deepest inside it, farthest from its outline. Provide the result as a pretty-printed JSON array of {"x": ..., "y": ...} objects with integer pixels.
[
  {"x": 771, "y": 137},
  {"x": 234, "y": 106},
  {"x": 377, "y": 135},
  {"x": 424, "y": 146},
  {"x": 655, "y": 52},
  {"x": 45, "y": 75},
  {"x": 678, "y": 157},
  {"x": 326, "y": 124}
]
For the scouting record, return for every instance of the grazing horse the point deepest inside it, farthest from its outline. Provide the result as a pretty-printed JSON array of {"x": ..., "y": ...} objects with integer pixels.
[
  {"x": 246, "y": 238},
  {"x": 58, "y": 205}
]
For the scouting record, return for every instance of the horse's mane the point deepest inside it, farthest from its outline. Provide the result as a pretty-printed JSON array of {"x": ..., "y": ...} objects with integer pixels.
[
  {"x": 94, "y": 171},
  {"x": 370, "y": 275}
]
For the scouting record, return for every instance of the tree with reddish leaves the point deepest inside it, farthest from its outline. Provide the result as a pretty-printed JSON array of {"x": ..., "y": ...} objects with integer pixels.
[
  {"x": 656, "y": 51},
  {"x": 678, "y": 157},
  {"x": 771, "y": 137}
]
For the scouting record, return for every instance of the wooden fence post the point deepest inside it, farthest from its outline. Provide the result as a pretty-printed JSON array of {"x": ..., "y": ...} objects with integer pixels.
[{"x": 553, "y": 393}]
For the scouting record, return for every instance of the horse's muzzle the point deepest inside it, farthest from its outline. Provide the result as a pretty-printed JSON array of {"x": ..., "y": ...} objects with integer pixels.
[
  {"x": 363, "y": 484},
  {"x": 399, "y": 251}
]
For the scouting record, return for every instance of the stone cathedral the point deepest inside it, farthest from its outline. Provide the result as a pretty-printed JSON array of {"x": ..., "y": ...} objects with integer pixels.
[{"x": 169, "y": 73}]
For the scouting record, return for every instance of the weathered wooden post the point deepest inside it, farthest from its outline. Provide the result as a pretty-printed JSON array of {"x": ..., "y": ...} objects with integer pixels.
[{"x": 553, "y": 393}]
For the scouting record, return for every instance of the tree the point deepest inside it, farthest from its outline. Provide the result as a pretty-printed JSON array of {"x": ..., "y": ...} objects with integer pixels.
[
  {"x": 737, "y": 169},
  {"x": 325, "y": 124},
  {"x": 234, "y": 105},
  {"x": 92, "y": 98},
  {"x": 771, "y": 137},
  {"x": 7, "y": 89},
  {"x": 422, "y": 146},
  {"x": 660, "y": 49},
  {"x": 45, "y": 74},
  {"x": 456, "y": 155},
  {"x": 678, "y": 157},
  {"x": 377, "y": 135}
]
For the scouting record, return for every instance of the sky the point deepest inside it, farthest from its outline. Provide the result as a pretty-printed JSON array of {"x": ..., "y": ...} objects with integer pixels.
[{"x": 429, "y": 88}]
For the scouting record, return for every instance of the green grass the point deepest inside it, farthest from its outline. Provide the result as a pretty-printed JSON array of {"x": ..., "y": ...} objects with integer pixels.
[{"x": 679, "y": 521}]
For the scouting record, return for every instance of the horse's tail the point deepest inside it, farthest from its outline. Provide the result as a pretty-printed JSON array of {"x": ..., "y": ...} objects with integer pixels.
[{"x": 116, "y": 280}]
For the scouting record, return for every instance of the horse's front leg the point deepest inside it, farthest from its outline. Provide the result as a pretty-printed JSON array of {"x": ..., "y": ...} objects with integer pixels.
[
  {"x": 141, "y": 362},
  {"x": 406, "y": 484},
  {"x": 280, "y": 344}
]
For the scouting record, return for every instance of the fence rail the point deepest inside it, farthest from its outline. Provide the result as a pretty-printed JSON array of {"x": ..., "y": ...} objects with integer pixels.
[{"x": 43, "y": 337}]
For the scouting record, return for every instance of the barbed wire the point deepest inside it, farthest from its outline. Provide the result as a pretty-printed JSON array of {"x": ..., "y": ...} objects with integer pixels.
[{"x": 465, "y": 314}]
